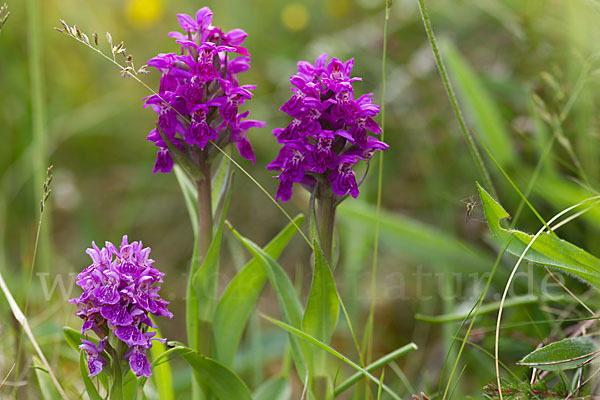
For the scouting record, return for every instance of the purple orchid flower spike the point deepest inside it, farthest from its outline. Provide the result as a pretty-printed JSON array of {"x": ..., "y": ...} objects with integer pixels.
[
  {"x": 329, "y": 133},
  {"x": 200, "y": 97},
  {"x": 120, "y": 292}
]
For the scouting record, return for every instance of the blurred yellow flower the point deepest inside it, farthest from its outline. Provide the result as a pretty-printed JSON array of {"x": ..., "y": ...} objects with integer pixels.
[
  {"x": 294, "y": 16},
  {"x": 143, "y": 12}
]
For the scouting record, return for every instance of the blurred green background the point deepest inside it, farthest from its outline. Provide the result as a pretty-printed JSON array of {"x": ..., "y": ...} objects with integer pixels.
[{"x": 499, "y": 54}]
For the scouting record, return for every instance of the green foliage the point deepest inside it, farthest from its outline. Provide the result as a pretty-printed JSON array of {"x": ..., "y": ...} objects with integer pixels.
[
  {"x": 480, "y": 105},
  {"x": 547, "y": 249},
  {"x": 240, "y": 296},
  {"x": 322, "y": 308},
  {"x": 223, "y": 383},
  {"x": 565, "y": 354}
]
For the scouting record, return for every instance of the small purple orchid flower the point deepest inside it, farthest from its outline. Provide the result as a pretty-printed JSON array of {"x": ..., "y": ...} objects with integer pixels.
[
  {"x": 120, "y": 291},
  {"x": 93, "y": 353}
]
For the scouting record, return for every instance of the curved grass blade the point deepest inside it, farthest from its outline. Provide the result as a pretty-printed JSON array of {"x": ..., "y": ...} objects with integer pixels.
[
  {"x": 383, "y": 361},
  {"x": 491, "y": 307},
  {"x": 548, "y": 249},
  {"x": 20, "y": 317},
  {"x": 240, "y": 296},
  {"x": 48, "y": 390},
  {"x": 297, "y": 332},
  {"x": 565, "y": 354}
]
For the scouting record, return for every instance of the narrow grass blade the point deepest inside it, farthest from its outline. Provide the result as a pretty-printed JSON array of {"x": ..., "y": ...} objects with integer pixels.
[
  {"x": 491, "y": 307},
  {"x": 383, "y": 361},
  {"x": 297, "y": 332},
  {"x": 48, "y": 390},
  {"x": 240, "y": 296},
  {"x": 20, "y": 317}
]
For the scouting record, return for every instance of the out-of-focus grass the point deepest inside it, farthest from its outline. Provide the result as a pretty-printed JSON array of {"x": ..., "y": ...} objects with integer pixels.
[{"x": 103, "y": 186}]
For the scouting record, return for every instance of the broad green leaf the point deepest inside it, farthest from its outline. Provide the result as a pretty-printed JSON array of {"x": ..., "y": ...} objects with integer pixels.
[
  {"x": 190, "y": 195},
  {"x": 562, "y": 355},
  {"x": 240, "y": 296},
  {"x": 277, "y": 388},
  {"x": 411, "y": 238},
  {"x": 223, "y": 382},
  {"x": 322, "y": 307},
  {"x": 480, "y": 106},
  {"x": 547, "y": 249},
  {"x": 73, "y": 338},
  {"x": 161, "y": 373},
  {"x": 47, "y": 388},
  {"x": 308, "y": 338},
  {"x": 289, "y": 303},
  {"x": 205, "y": 280}
]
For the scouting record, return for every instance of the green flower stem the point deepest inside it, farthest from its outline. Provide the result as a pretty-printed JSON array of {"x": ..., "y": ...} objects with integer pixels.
[
  {"x": 116, "y": 390},
  {"x": 205, "y": 217},
  {"x": 327, "y": 223}
]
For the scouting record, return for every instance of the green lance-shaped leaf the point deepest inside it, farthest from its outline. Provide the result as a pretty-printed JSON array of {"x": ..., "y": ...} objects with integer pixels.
[
  {"x": 240, "y": 296},
  {"x": 480, "y": 106},
  {"x": 322, "y": 307},
  {"x": 223, "y": 382},
  {"x": 277, "y": 388},
  {"x": 289, "y": 303},
  {"x": 565, "y": 354},
  {"x": 547, "y": 249}
]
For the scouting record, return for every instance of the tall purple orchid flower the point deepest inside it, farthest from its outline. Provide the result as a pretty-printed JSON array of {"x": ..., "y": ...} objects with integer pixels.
[
  {"x": 120, "y": 291},
  {"x": 327, "y": 137},
  {"x": 329, "y": 132},
  {"x": 199, "y": 95}
]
